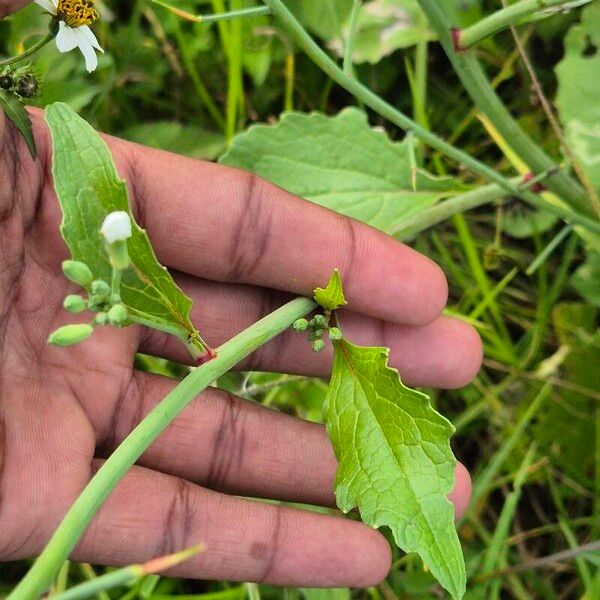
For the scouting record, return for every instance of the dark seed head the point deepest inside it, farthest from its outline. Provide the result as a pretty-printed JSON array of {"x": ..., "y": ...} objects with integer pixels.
[
  {"x": 6, "y": 81},
  {"x": 27, "y": 86}
]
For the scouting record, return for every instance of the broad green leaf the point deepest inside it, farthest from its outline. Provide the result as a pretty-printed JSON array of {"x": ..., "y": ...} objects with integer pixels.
[
  {"x": 17, "y": 113},
  {"x": 342, "y": 163},
  {"x": 88, "y": 188},
  {"x": 578, "y": 98},
  {"x": 323, "y": 17},
  {"x": 395, "y": 461},
  {"x": 385, "y": 26},
  {"x": 332, "y": 296}
]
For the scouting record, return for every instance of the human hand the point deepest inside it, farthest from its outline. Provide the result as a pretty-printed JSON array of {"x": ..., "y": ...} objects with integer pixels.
[{"x": 237, "y": 246}]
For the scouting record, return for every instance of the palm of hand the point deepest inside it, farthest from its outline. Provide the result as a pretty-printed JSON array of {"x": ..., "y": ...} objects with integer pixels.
[{"x": 62, "y": 410}]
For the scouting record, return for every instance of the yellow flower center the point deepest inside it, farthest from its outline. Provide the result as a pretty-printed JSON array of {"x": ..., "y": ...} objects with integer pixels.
[{"x": 76, "y": 13}]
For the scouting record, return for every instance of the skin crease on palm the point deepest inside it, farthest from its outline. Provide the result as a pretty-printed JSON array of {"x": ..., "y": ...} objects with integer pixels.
[{"x": 239, "y": 247}]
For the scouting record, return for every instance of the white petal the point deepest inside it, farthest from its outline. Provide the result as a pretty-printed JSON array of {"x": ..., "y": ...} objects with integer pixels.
[
  {"x": 91, "y": 60},
  {"x": 91, "y": 38},
  {"x": 66, "y": 38},
  {"x": 50, "y": 6},
  {"x": 116, "y": 226}
]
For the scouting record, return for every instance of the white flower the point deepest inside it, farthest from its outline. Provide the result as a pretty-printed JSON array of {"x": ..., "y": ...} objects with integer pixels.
[
  {"x": 116, "y": 227},
  {"x": 73, "y": 29}
]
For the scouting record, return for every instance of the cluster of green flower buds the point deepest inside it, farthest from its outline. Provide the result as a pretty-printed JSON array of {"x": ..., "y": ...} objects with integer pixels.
[
  {"x": 317, "y": 327},
  {"x": 22, "y": 82},
  {"x": 109, "y": 310}
]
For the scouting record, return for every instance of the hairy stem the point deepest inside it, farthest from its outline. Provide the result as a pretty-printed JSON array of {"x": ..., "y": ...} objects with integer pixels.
[
  {"x": 387, "y": 111},
  {"x": 76, "y": 521},
  {"x": 503, "y": 19},
  {"x": 477, "y": 85}
]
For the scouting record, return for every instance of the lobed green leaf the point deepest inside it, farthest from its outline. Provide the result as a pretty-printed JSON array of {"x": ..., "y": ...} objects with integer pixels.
[
  {"x": 395, "y": 461},
  {"x": 341, "y": 163},
  {"x": 88, "y": 189}
]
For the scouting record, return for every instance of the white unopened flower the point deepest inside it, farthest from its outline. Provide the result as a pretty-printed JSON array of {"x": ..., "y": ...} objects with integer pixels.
[
  {"x": 116, "y": 227},
  {"x": 74, "y": 18}
]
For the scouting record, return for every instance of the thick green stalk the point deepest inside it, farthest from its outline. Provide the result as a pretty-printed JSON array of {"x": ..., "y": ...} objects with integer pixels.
[
  {"x": 386, "y": 110},
  {"x": 448, "y": 208},
  {"x": 503, "y": 19},
  {"x": 72, "y": 527},
  {"x": 477, "y": 85}
]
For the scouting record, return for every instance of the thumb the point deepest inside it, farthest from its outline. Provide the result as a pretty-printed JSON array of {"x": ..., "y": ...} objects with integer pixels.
[{"x": 8, "y": 7}]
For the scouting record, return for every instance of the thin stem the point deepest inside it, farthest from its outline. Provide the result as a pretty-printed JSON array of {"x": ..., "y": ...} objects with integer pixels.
[
  {"x": 254, "y": 11},
  {"x": 477, "y": 85},
  {"x": 503, "y": 19},
  {"x": 548, "y": 250},
  {"x": 386, "y": 110},
  {"x": 37, "y": 46},
  {"x": 352, "y": 29},
  {"x": 65, "y": 538}
]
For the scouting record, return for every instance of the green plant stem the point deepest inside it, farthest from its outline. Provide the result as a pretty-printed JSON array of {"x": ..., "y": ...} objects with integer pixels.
[
  {"x": 349, "y": 46},
  {"x": 460, "y": 203},
  {"x": 387, "y": 111},
  {"x": 254, "y": 11},
  {"x": 503, "y": 19},
  {"x": 37, "y": 46},
  {"x": 88, "y": 589},
  {"x": 477, "y": 85},
  {"x": 72, "y": 527}
]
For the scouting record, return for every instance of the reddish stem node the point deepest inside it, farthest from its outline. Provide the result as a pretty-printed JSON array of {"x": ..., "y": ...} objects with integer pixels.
[
  {"x": 455, "y": 33},
  {"x": 536, "y": 188},
  {"x": 208, "y": 355}
]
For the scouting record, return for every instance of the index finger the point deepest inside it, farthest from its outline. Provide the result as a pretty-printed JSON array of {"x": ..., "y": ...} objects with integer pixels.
[{"x": 228, "y": 225}]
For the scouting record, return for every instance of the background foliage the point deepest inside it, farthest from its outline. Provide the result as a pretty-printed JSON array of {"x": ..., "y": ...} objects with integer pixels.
[{"x": 529, "y": 426}]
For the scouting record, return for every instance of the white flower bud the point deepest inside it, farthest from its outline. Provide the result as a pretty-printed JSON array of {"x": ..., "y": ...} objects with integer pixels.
[{"x": 116, "y": 227}]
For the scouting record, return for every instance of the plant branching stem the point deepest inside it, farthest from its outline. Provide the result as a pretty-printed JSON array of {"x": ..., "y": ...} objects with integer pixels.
[
  {"x": 29, "y": 52},
  {"x": 76, "y": 521},
  {"x": 503, "y": 19},
  {"x": 387, "y": 111},
  {"x": 477, "y": 85}
]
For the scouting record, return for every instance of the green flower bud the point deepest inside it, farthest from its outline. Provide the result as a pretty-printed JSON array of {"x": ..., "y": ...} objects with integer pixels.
[
  {"x": 74, "y": 304},
  {"x": 318, "y": 345},
  {"x": 101, "y": 318},
  {"x": 319, "y": 321},
  {"x": 77, "y": 272},
  {"x": 300, "y": 325},
  {"x": 70, "y": 334},
  {"x": 335, "y": 335},
  {"x": 117, "y": 315},
  {"x": 316, "y": 334},
  {"x": 100, "y": 289}
]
